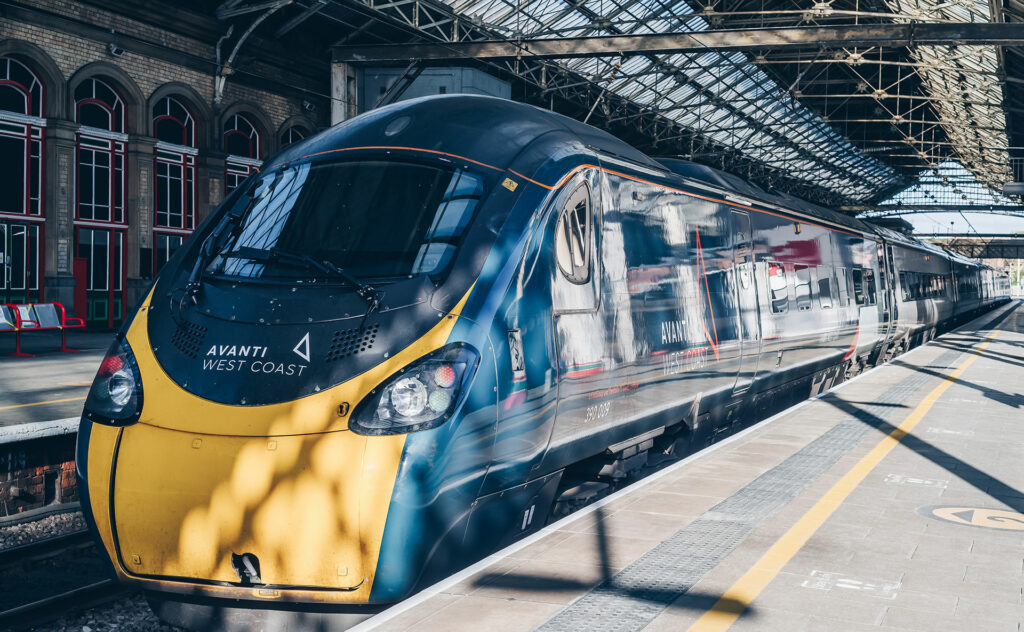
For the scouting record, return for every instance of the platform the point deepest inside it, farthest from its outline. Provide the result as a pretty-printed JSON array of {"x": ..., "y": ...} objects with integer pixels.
[
  {"x": 52, "y": 385},
  {"x": 894, "y": 502}
]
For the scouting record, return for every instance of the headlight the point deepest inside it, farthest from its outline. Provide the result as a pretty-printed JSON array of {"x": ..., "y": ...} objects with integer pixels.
[
  {"x": 116, "y": 395},
  {"x": 421, "y": 396}
]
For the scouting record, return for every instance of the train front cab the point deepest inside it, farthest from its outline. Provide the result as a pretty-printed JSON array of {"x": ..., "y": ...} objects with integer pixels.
[{"x": 224, "y": 510}]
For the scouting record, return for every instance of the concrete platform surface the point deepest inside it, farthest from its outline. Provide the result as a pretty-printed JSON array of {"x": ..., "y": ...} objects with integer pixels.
[
  {"x": 894, "y": 502},
  {"x": 52, "y": 385}
]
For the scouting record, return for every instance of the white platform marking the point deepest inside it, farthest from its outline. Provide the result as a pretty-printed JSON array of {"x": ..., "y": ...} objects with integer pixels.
[
  {"x": 821, "y": 580},
  {"x": 899, "y": 479}
]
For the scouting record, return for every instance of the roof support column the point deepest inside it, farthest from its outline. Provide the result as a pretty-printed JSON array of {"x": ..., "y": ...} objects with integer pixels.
[{"x": 344, "y": 92}]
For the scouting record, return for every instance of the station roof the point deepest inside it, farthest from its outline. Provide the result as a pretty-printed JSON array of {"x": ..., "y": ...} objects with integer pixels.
[{"x": 843, "y": 125}]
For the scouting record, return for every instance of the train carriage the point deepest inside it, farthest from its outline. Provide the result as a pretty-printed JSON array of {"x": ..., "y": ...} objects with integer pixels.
[{"x": 424, "y": 332}]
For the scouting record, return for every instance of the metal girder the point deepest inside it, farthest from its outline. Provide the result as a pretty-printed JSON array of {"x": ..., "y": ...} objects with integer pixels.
[
  {"x": 231, "y": 9},
  {"x": 307, "y": 13},
  {"x": 795, "y": 58},
  {"x": 885, "y": 35},
  {"x": 974, "y": 247},
  {"x": 647, "y": 127},
  {"x": 938, "y": 237},
  {"x": 912, "y": 209}
]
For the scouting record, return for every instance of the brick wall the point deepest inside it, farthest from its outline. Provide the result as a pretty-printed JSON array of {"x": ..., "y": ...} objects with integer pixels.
[
  {"x": 74, "y": 35},
  {"x": 71, "y": 52},
  {"x": 37, "y": 473}
]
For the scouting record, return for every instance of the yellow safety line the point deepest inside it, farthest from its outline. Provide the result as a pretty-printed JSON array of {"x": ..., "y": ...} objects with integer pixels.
[
  {"x": 52, "y": 401},
  {"x": 742, "y": 593}
]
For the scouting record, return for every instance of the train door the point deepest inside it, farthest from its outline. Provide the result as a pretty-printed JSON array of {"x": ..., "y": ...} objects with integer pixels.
[
  {"x": 581, "y": 339},
  {"x": 890, "y": 310},
  {"x": 103, "y": 251},
  {"x": 5, "y": 266},
  {"x": 19, "y": 247},
  {"x": 892, "y": 304},
  {"x": 747, "y": 308}
]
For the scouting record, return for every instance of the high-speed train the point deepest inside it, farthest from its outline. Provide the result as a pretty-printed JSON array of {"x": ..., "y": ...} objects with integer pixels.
[{"x": 424, "y": 332}]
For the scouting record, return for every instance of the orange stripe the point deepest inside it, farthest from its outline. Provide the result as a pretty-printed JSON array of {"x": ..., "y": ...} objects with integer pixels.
[
  {"x": 529, "y": 180},
  {"x": 428, "y": 151},
  {"x": 702, "y": 197},
  {"x": 389, "y": 148},
  {"x": 570, "y": 175}
]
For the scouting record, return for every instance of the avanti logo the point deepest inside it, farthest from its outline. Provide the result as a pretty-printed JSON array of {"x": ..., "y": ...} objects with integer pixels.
[
  {"x": 230, "y": 358},
  {"x": 302, "y": 349},
  {"x": 243, "y": 351}
]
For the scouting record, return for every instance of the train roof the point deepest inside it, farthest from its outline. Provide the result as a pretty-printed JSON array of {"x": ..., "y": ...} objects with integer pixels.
[
  {"x": 712, "y": 176},
  {"x": 956, "y": 257},
  {"x": 495, "y": 131},
  {"x": 730, "y": 183},
  {"x": 486, "y": 129},
  {"x": 907, "y": 240}
]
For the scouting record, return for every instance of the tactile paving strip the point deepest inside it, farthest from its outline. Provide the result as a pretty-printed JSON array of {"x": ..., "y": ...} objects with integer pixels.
[{"x": 634, "y": 596}]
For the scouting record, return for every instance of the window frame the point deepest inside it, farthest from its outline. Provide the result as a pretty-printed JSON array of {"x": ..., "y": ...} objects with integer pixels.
[
  {"x": 856, "y": 282},
  {"x": 238, "y": 167},
  {"x": 827, "y": 279},
  {"x": 26, "y": 127},
  {"x": 580, "y": 273},
  {"x": 169, "y": 158},
  {"x": 779, "y": 305},
  {"x": 798, "y": 283}
]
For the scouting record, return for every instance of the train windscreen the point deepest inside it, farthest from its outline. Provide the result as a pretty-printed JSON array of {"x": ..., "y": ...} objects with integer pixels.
[{"x": 370, "y": 219}]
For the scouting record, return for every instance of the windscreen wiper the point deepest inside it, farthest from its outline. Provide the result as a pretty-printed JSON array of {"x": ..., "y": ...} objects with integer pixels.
[
  {"x": 195, "y": 279},
  {"x": 365, "y": 291},
  {"x": 239, "y": 200}
]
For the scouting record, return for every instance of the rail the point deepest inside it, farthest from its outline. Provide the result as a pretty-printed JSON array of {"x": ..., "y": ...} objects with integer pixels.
[
  {"x": 61, "y": 604},
  {"x": 43, "y": 548}
]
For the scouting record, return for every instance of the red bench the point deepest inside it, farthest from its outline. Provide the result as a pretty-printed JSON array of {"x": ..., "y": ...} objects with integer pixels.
[{"x": 37, "y": 317}]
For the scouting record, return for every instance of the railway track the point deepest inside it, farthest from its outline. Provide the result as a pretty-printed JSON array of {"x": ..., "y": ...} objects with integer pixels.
[
  {"x": 69, "y": 564},
  {"x": 44, "y": 547}
]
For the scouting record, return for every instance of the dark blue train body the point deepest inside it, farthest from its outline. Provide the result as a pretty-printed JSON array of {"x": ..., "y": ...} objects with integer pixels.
[{"x": 489, "y": 313}]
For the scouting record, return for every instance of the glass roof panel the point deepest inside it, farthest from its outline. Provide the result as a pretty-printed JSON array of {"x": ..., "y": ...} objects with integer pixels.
[
  {"x": 948, "y": 184},
  {"x": 793, "y": 138}
]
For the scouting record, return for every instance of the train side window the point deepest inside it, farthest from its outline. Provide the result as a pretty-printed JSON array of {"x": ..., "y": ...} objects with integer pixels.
[
  {"x": 903, "y": 286},
  {"x": 573, "y": 238},
  {"x": 803, "y": 288},
  {"x": 857, "y": 279},
  {"x": 777, "y": 287},
  {"x": 869, "y": 287},
  {"x": 824, "y": 287}
]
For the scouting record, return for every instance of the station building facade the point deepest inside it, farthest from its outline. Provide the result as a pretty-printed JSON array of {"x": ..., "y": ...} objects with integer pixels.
[{"x": 111, "y": 158}]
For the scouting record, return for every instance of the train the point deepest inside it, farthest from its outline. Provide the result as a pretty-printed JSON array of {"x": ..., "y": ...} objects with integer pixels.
[{"x": 429, "y": 330}]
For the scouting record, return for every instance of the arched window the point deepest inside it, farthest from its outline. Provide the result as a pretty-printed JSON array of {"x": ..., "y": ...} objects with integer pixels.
[
  {"x": 22, "y": 102},
  {"x": 98, "y": 105},
  {"x": 293, "y": 134},
  {"x": 242, "y": 144},
  {"x": 101, "y": 147},
  {"x": 21, "y": 91},
  {"x": 175, "y": 192},
  {"x": 100, "y": 218},
  {"x": 173, "y": 123}
]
